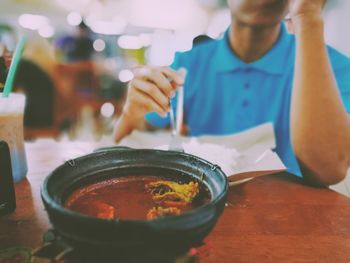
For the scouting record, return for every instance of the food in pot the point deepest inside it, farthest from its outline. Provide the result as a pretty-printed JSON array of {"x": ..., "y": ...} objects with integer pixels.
[
  {"x": 160, "y": 211},
  {"x": 101, "y": 209},
  {"x": 137, "y": 197},
  {"x": 173, "y": 193}
]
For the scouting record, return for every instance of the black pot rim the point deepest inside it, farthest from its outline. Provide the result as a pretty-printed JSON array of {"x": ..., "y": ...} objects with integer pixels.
[{"x": 48, "y": 200}]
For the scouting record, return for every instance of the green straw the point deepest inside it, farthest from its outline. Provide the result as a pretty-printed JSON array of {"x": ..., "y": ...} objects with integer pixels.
[{"x": 13, "y": 68}]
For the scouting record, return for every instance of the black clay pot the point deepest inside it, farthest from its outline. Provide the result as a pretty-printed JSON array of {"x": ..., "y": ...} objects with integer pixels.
[{"x": 132, "y": 239}]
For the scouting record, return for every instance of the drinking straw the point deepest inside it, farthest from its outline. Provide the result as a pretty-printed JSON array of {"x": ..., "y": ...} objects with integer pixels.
[{"x": 13, "y": 68}]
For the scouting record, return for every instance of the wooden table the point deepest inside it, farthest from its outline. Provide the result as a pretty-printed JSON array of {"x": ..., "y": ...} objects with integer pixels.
[{"x": 274, "y": 218}]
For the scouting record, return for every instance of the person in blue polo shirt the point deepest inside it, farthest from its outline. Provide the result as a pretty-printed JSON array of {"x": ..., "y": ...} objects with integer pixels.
[{"x": 259, "y": 73}]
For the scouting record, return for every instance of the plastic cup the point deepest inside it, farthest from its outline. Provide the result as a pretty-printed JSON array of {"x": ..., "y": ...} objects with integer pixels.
[{"x": 11, "y": 131}]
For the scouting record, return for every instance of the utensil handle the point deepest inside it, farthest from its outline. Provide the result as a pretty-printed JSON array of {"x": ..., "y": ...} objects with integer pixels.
[
  {"x": 179, "y": 109},
  {"x": 180, "y": 103},
  {"x": 172, "y": 119}
]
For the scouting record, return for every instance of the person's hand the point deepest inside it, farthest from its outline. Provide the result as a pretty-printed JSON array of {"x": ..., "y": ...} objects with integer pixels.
[
  {"x": 299, "y": 8},
  {"x": 150, "y": 91},
  {"x": 304, "y": 12}
]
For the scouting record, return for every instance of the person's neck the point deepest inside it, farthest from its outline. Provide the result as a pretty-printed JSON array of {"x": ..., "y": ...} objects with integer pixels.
[{"x": 252, "y": 43}]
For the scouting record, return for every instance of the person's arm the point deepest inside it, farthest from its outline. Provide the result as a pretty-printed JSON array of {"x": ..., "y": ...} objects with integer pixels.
[
  {"x": 320, "y": 125},
  {"x": 149, "y": 91}
]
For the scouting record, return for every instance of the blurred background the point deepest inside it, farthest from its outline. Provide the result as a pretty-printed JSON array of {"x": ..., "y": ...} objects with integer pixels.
[{"x": 80, "y": 53}]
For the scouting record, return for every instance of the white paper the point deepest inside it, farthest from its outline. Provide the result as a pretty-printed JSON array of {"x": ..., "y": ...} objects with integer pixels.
[
  {"x": 255, "y": 157},
  {"x": 254, "y": 146}
]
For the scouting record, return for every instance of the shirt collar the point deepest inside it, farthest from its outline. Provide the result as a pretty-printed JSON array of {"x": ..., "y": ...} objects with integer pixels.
[{"x": 272, "y": 63}]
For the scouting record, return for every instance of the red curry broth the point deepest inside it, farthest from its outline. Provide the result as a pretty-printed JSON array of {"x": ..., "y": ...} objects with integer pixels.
[{"x": 124, "y": 198}]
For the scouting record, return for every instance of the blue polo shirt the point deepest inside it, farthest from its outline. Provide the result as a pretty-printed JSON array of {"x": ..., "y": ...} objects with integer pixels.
[{"x": 224, "y": 95}]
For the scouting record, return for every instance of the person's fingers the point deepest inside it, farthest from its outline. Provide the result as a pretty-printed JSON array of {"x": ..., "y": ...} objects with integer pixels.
[
  {"x": 157, "y": 76},
  {"x": 152, "y": 91},
  {"x": 173, "y": 75},
  {"x": 145, "y": 103}
]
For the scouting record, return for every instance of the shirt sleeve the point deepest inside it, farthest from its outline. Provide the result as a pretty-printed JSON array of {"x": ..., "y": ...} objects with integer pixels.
[
  {"x": 342, "y": 76},
  {"x": 341, "y": 69},
  {"x": 154, "y": 118}
]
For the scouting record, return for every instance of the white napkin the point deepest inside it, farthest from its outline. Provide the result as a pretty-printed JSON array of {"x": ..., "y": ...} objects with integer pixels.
[{"x": 241, "y": 156}]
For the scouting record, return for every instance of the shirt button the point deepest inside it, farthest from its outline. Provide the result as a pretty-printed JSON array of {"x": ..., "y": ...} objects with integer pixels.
[
  {"x": 245, "y": 104},
  {"x": 246, "y": 85}
]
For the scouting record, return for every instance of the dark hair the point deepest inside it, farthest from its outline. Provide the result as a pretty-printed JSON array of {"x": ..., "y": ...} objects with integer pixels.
[
  {"x": 82, "y": 25},
  {"x": 201, "y": 39}
]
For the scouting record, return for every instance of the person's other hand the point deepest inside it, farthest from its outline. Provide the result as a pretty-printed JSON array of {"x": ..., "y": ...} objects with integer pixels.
[
  {"x": 305, "y": 8},
  {"x": 304, "y": 12},
  {"x": 150, "y": 91}
]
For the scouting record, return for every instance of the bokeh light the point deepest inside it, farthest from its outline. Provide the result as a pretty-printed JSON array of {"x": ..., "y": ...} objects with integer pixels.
[
  {"x": 125, "y": 75},
  {"x": 107, "y": 110},
  {"x": 74, "y": 18},
  {"x": 99, "y": 45}
]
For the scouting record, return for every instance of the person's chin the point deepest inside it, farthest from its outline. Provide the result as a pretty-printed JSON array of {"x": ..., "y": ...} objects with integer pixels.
[{"x": 263, "y": 21}]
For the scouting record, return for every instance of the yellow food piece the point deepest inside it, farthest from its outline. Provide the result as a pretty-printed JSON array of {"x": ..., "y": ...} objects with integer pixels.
[
  {"x": 171, "y": 191},
  {"x": 159, "y": 211}
]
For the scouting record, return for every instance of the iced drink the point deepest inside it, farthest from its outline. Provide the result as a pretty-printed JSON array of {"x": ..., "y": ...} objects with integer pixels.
[{"x": 11, "y": 131}]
